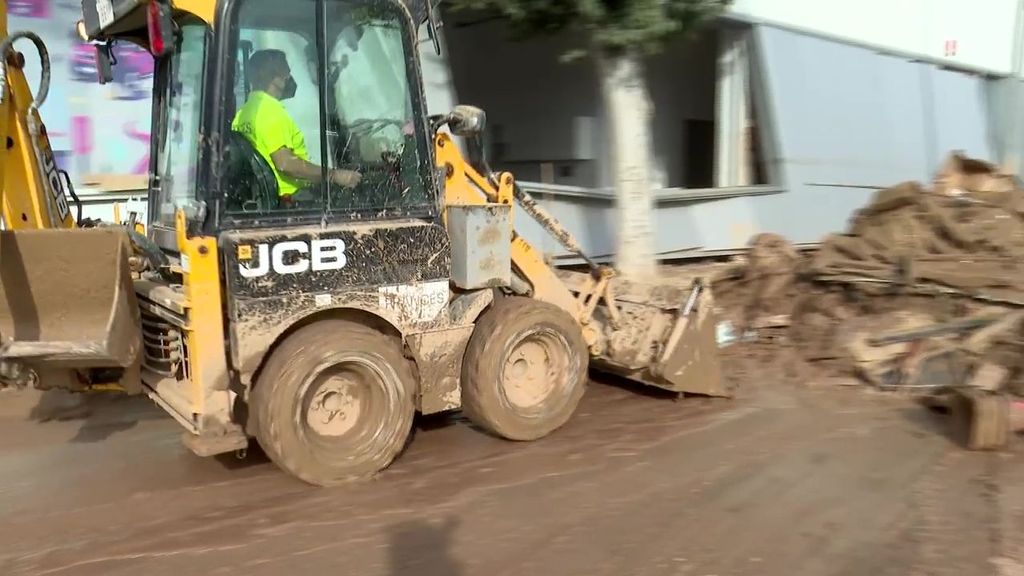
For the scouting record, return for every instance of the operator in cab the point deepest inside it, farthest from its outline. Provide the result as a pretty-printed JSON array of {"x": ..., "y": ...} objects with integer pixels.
[{"x": 265, "y": 122}]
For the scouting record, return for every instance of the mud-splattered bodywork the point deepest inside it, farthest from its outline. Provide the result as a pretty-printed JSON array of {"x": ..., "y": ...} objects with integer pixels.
[{"x": 393, "y": 273}]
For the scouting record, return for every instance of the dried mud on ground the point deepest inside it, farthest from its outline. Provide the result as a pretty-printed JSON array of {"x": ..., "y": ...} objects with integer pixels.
[{"x": 786, "y": 479}]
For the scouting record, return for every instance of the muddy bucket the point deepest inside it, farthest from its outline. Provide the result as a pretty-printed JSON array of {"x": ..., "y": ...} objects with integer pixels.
[
  {"x": 663, "y": 335},
  {"x": 67, "y": 300}
]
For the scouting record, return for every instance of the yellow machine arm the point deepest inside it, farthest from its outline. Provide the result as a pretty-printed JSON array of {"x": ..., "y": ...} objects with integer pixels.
[
  {"x": 466, "y": 184},
  {"x": 660, "y": 334},
  {"x": 32, "y": 187}
]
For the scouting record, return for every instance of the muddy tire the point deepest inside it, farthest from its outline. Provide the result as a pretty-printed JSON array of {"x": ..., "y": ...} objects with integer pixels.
[
  {"x": 334, "y": 402},
  {"x": 525, "y": 369}
]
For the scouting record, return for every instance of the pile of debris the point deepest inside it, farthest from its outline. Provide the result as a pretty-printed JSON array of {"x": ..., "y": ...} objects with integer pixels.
[{"x": 924, "y": 290}]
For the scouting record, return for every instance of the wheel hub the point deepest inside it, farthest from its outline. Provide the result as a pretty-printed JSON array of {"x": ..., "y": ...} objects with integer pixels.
[
  {"x": 336, "y": 407},
  {"x": 531, "y": 370}
]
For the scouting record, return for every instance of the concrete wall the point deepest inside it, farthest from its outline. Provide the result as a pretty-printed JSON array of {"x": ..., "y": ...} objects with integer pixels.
[
  {"x": 1006, "y": 122},
  {"x": 983, "y": 30},
  {"x": 682, "y": 87}
]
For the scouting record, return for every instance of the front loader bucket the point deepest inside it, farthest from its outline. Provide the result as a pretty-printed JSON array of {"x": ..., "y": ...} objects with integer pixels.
[
  {"x": 663, "y": 336},
  {"x": 691, "y": 364},
  {"x": 67, "y": 301}
]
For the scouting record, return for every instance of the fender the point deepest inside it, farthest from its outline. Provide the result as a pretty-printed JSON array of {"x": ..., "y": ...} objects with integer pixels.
[{"x": 258, "y": 346}]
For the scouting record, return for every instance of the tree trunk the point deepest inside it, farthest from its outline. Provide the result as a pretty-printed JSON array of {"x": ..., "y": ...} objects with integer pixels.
[{"x": 628, "y": 114}]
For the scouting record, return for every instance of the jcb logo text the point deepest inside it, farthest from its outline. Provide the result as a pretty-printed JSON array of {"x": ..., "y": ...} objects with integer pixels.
[{"x": 296, "y": 257}]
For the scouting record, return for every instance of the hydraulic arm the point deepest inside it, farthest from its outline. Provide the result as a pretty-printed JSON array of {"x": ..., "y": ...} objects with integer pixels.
[{"x": 34, "y": 189}]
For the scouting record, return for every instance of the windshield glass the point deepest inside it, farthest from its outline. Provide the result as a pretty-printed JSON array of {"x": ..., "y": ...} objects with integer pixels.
[
  {"x": 179, "y": 109},
  {"x": 371, "y": 103},
  {"x": 324, "y": 133}
]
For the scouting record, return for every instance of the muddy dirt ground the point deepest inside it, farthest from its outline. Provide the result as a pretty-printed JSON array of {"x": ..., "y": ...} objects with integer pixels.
[{"x": 787, "y": 479}]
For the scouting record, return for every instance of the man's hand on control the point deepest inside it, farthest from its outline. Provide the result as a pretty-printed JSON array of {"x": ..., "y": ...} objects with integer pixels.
[{"x": 346, "y": 178}]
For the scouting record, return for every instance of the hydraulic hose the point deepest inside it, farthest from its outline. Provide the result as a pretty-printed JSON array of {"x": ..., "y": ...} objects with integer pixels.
[{"x": 44, "y": 63}]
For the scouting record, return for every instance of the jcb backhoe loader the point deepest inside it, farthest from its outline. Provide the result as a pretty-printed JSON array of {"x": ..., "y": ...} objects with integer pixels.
[{"x": 320, "y": 323}]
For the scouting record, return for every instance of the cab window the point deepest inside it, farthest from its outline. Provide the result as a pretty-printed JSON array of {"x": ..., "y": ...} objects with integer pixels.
[
  {"x": 350, "y": 110},
  {"x": 370, "y": 107},
  {"x": 178, "y": 117},
  {"x": 274, "y": 40}
]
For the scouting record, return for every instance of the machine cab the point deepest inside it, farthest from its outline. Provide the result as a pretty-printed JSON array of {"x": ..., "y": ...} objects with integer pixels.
[{"x": 334, "y": 82}]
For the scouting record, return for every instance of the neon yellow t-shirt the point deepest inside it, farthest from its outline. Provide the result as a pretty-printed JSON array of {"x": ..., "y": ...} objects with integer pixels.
[{"x": 265, "y": 122}]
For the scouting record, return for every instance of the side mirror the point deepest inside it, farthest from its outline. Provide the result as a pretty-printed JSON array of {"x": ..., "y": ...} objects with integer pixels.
[
  {"x": 104, "y": 63},
  {"x": 467, "y": 120}
]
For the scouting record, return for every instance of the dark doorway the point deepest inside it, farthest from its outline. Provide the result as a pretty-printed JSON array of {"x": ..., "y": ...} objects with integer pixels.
[{"x": 699, "y": 153}]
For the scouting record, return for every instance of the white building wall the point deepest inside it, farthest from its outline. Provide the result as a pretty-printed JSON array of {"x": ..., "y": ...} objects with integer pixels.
[{"x": 982, "y": 30}]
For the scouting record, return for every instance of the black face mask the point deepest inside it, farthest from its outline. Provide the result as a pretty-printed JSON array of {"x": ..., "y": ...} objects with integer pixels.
[{"x": 289, "y": 89}]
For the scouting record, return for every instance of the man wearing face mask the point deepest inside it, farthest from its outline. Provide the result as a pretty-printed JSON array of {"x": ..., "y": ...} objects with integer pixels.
[{"x": 265, "y": 122}]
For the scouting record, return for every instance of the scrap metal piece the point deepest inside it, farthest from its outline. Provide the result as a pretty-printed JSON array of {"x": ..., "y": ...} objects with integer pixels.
[
  {"x": 682, "y": 321},
  {"x": 933, "y": 330}
]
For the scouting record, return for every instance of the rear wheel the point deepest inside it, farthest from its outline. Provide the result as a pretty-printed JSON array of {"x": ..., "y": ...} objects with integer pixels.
[
  {"x": 525, "y": 369},
  {"x": 334, "y": 402}
]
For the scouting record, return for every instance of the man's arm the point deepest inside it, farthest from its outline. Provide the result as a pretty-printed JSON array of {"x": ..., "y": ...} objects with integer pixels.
[
  {"x": 291, "y": 165},
  {"x": 288, "y": 163}
]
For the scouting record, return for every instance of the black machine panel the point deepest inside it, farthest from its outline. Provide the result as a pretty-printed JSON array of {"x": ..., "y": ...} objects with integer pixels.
[
  {"x": 276, "y": 277},
  {"x": 273, "y": 264}
]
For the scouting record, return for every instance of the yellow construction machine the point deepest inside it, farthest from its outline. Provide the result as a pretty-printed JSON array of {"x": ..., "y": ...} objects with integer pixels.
[{"x": 317, "y": 323}]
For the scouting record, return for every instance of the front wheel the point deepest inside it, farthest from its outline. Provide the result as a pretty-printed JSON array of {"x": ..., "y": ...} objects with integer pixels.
[
  {"x": 334, "y": 402},
  {"x": 525, "y": 369}
]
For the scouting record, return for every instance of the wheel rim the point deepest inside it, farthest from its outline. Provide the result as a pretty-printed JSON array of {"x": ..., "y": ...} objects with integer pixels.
[
  {"x": 336, "y": 406},
  {"x": 345, "y": 404},
  {"x": 534, "y": 369}
]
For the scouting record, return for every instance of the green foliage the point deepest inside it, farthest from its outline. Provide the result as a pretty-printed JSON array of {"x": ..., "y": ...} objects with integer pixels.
[{"x": 612, "y": 25}]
